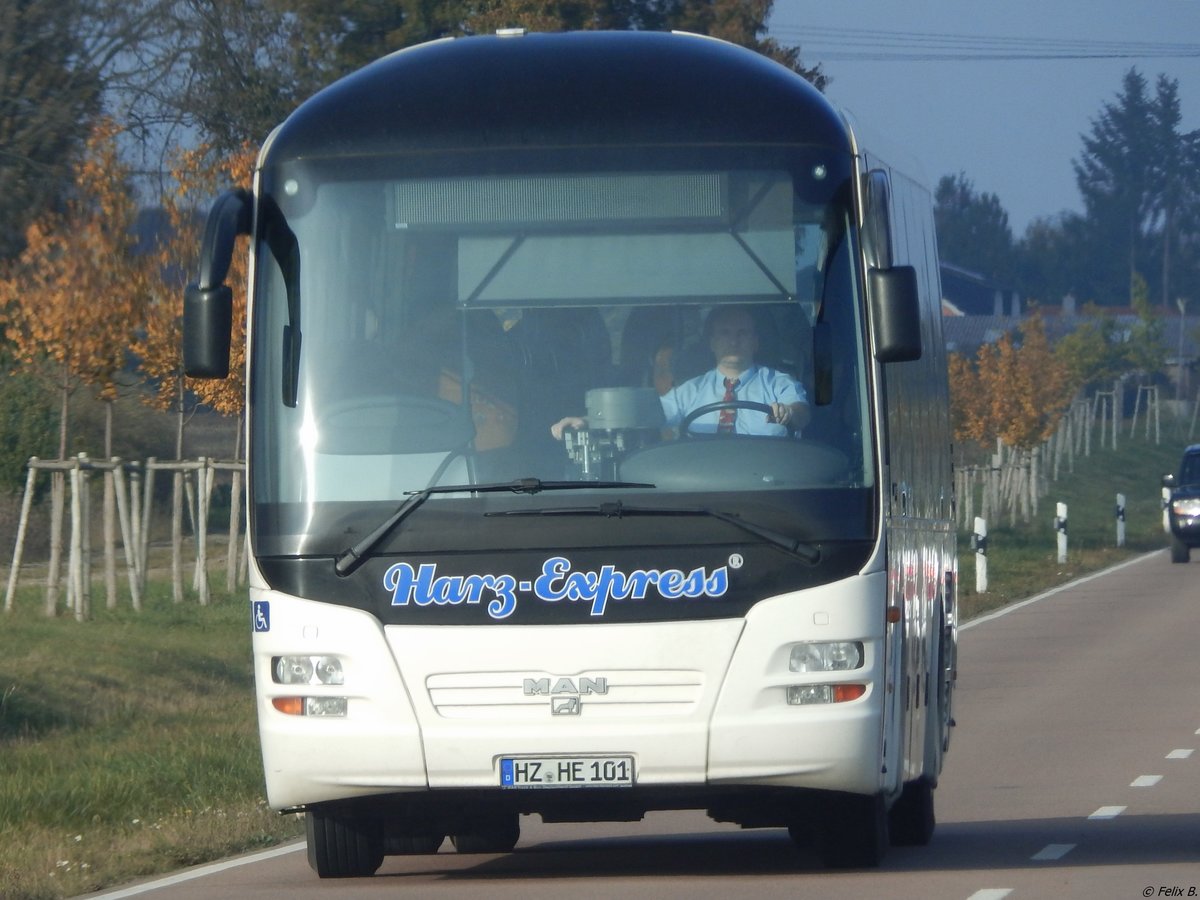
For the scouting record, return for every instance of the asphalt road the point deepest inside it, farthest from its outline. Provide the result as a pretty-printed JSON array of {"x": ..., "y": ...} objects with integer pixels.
[{"x": 1074, "y": 772}]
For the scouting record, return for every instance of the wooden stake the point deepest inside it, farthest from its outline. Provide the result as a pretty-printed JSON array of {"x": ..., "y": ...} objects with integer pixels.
[{"x": 23, "y": 523}]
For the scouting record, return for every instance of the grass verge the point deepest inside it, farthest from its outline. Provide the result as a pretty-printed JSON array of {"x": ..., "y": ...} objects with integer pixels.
[
  {"x": 1023, "y": 558},
  {"x": 128, "y": 744}
]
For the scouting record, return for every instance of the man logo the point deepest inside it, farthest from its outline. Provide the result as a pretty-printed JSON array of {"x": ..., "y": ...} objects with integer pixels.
[
  {"x": 564, "y": 706},
  {"x": 564, "y": 693},
  {"x": 534, "y": 686}
]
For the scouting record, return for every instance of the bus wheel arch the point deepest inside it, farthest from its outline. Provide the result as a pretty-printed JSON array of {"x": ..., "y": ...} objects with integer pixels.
[{"x": 912, "y": 818}]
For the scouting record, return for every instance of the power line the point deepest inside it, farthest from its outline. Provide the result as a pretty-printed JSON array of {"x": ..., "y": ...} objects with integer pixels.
[{"x": 873, "y": 45}]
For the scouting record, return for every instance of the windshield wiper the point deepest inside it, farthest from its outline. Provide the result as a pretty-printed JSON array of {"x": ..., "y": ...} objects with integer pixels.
[
  {"x": 353, "y": 557},
  {"x": 806, "y": 551}
]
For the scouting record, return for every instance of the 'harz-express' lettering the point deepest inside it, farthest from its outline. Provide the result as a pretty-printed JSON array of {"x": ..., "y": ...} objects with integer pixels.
[{"x": 422, "y": 586}]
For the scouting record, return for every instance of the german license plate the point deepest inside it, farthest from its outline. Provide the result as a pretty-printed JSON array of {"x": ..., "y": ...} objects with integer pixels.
[{"x": 566, "y": 771}]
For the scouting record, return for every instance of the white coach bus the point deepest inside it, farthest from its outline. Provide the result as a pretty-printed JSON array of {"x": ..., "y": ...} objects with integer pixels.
[{"x": 508, "y": 558}]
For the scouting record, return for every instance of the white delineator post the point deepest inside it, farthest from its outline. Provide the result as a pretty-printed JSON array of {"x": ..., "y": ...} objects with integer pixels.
[
  {"x": 1120, "y": 513},
  {"x": 1060, "y": 526},
  {"x": 979, "y": 542}
]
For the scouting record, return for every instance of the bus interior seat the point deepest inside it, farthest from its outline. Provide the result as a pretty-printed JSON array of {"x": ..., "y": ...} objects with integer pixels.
[
  {"x": 563, "y": 352},
  {"x": 650, "y": 338},
  {"x": 365, "y": 439},
  {"x": 784, "y": 339}
]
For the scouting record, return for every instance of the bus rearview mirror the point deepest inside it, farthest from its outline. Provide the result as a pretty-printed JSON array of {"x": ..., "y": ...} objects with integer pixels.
[
  {"x": 207, "y": 326},
  {"x": 896, "y": 313}
]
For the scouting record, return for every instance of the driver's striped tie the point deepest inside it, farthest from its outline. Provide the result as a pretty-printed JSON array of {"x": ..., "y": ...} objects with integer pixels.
[{"x": 727, "y": 417}]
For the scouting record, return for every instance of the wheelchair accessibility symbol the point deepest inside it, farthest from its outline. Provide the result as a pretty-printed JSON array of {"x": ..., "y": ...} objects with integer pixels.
[{"x": 262, "y": 615}]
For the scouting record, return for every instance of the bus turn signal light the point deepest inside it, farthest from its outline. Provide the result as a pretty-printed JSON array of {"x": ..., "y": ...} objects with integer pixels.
[
  {"x": 844, "y": 692},
  {"x": 324, "y": 707},
  {"x": 293, "y": 706}
]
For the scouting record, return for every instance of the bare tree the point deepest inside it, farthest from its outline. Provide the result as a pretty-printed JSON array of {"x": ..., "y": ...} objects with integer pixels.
[
  {"x": 48, "y": 94},
  {"x": 238, "y": 67}
]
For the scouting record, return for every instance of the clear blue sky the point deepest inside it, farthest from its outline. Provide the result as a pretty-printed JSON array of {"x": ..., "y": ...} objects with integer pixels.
[{"x": 1000, "y": 91}]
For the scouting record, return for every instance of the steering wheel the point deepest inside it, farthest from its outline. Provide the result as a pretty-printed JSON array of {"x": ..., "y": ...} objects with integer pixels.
[{"x": 685, "y": 425}]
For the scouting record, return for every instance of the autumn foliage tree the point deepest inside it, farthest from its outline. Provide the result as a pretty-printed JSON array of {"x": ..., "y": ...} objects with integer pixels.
[
  {"x": 198, "y": 176},
  {"x": 74, "y": 295},
  {"x": 1092, "y": 352},
  {"x": 1016, "y": 391}
]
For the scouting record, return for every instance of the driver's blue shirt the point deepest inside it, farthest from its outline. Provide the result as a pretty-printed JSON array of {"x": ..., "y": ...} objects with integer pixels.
[{"x": 758, "y": 384}]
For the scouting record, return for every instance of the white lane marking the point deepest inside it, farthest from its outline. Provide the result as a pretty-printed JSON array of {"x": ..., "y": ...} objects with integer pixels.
[
  {"x": 200, "y": 872},
  {"x": 1104, "y": 812},
  {"x": 1005, "y": 610},
  {"x": 1146, "y": 781},
  {"x": 1053, "y": 851},
  {"x": 1180, "y": 754}
]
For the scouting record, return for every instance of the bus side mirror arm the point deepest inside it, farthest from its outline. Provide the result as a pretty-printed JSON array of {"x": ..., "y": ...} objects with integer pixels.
[
  {"x": 208, "y": 304},
  {"x": 895, "y": 313}
]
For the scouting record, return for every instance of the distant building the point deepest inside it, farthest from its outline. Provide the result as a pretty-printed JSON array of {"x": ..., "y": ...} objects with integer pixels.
[
  {"x": 968, "y": 293},
  {"x": 978, "y": 312}
]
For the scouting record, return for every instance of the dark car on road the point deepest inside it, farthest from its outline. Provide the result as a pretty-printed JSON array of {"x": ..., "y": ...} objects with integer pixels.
[{"x": 1183, "y": 505}]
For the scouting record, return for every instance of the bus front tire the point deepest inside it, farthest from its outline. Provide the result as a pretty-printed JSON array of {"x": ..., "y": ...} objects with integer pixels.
[
  {"x": 343, "y": 846},
  {"x": 851, "y": 832},
  {"x": 911, "y": 820}
]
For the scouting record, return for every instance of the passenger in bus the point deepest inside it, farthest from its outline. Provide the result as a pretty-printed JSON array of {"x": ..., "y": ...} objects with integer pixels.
[{"x": 733, "y": 339}]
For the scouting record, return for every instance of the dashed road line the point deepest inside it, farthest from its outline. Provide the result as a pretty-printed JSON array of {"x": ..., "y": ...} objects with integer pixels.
[
  {"x": 991, "y": 894},
  {"x": 1146, "y": 781},
  {"x": 1180, "y": 754},
  {"x": 1053, "y": 851},
  {"x": 1108, "y": 812}
]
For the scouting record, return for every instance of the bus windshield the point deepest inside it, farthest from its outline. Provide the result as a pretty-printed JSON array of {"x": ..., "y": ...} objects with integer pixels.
[{"x": 555, "y": 316}]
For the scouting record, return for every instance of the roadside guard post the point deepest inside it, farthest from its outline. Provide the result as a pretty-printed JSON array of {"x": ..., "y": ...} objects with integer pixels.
[
  {"x": 979, "y": 544},
  {"x": 1060, "y": 526},
  {"x": 1120, "y": 513}
]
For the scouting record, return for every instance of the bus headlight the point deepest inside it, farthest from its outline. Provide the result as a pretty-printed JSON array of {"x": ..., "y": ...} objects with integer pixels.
[
  {"x": 826, "y": 656},
  {"x": 329, "y": 670},
  {"x": 307, "y": 670}
]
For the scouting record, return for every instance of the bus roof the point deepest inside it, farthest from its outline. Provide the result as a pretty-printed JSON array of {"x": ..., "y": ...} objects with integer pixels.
[{"x": 572, "y": 89}]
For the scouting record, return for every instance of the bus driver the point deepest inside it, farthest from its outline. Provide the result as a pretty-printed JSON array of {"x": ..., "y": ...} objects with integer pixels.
[{"x": 733, "y": 338}]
